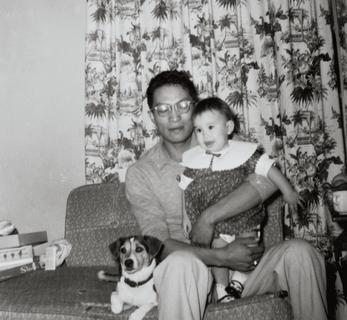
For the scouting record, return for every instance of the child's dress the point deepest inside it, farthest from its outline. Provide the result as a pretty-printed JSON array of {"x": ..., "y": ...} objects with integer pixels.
[{"x": 210, "y": 177}]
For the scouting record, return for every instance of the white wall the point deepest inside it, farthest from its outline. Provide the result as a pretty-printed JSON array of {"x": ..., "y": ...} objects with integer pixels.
[{"x": 41, "y": 110}]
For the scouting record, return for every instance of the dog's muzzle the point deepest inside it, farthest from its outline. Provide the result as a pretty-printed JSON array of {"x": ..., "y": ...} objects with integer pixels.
[{"x": 129, "y": 264}]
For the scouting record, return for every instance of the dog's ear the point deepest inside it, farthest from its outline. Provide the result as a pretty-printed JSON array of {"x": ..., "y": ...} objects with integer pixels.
[
  {"x": 154, "y": 245},
  {"x": 115, "y": 247}
]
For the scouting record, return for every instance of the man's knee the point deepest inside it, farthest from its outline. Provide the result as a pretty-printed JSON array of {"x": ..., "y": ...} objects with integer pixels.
[
  {"x": 299, "y": 249},
  {"x": 182, "y": 262}
]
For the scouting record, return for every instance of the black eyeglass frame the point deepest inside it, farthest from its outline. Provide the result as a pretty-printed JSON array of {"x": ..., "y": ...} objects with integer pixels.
[{"x": 169, "y": 107}]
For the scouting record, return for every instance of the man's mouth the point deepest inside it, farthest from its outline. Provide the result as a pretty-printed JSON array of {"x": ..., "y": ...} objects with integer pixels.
[{"x": 176, "y": 129}]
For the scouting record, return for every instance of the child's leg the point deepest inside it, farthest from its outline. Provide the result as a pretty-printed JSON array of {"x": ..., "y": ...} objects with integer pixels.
[
  {"x": 235, "y": 286},
  {"x": 221, "y": 275},
  {"x": 238, "y": 279}
]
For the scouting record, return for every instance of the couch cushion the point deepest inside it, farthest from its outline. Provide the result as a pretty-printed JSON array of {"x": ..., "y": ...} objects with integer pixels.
[{"x": 72, "y": 293}]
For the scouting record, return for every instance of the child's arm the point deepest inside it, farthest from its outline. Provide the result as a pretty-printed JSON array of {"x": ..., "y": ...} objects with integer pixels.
[{"x": 289, "y": 194}]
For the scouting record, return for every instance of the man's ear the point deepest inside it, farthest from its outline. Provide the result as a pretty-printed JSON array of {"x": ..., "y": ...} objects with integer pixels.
[
  {"x": 115, "y": 247},
  {"x": 230, "y": 126},
  {"x": 154, "y": 245}
]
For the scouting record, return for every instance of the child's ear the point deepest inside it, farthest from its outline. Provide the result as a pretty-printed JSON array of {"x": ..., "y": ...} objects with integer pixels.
[{"x": 230, "y": 126}]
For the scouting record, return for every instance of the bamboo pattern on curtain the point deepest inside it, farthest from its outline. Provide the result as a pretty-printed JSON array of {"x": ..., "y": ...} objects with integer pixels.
[{"x": 271, "y": 60}]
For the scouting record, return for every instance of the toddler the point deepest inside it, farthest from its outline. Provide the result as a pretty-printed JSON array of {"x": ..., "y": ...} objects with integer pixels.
[{"x": 216, "y": 167}]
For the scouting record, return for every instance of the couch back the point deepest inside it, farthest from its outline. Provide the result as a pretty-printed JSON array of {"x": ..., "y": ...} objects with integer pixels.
[{"x": 98, "y": 214}]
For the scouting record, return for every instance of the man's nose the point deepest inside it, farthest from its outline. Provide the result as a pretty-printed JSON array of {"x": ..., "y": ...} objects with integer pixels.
[{"x": 174, "y": 115}]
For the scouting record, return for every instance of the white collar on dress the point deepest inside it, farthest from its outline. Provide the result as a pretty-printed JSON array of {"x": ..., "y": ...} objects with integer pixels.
[{"x": 237, "y": 153}]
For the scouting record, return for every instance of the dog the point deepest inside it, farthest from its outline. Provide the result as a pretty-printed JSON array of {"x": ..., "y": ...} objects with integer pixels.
[{"x": 137, "y": 257}]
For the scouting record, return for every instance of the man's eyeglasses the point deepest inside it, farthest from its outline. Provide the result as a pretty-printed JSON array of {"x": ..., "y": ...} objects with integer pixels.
[{"x": 163, "y": 109}]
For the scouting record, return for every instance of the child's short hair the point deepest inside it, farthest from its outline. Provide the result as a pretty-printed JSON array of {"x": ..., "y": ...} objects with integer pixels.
[{"x": 219, "y": 105}]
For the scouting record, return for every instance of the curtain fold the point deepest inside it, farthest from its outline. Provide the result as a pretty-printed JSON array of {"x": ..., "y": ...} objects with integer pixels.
[{"x": 273, "y": 61}]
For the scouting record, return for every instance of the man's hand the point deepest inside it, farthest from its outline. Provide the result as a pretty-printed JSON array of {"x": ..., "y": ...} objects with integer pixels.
[
  {"x": 202, "y": 232},
  {"x": 243, "y": 254}
]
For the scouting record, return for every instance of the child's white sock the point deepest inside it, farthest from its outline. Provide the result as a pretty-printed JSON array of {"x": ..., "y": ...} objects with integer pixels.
[{"x": 220, "y": 290}]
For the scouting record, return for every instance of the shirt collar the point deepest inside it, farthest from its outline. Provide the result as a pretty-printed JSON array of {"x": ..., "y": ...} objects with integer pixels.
[
  {"x": 223, "y": 151},
  {"x": 163, "y": 156},
  {"x": 220, "y": 153}
]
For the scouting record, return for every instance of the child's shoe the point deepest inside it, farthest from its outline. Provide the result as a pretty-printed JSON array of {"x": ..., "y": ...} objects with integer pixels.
[
  {"x": 234, "y": 289},
  {"x": 222, "y": 295}
]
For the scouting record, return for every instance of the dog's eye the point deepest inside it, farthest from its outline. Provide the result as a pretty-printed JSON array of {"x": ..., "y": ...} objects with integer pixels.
[
  {"x": 123, "y": 250},
  {"x": 139, "y": 249}
]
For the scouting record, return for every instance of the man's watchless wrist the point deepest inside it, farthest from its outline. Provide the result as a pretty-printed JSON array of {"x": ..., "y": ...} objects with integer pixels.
[{"x": 219, "y": 257}]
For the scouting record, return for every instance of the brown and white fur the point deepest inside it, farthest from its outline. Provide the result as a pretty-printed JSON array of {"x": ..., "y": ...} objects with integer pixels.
[{"x": 136, "y": 255}]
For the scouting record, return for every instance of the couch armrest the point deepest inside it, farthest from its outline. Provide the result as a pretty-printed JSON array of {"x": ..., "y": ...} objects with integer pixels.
[
  {"x": 273, "y": 229},
  {"x": 96, "y": 215}
]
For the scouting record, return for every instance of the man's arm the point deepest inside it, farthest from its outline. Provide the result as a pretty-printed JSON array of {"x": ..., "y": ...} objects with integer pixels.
[
  {"x": 249, "y": 194},
  {"x": 237, "y": 255}
]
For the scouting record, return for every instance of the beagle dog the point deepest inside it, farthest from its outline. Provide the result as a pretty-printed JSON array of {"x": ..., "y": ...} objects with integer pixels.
[{"x": 136, "y": 255}]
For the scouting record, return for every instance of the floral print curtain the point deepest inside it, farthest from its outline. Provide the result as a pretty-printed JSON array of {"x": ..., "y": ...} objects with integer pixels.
[{"x": 273, "y": 61}]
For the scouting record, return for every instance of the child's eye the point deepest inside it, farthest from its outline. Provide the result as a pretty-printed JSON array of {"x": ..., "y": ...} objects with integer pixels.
[
  {"x": 210, "y": 127},
  {"x": 139, "y": 249},
  {"x": 197, "y": 130}
]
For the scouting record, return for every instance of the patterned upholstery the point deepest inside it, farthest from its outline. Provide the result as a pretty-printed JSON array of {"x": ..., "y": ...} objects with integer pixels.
[{"x": 95, "y": 216}]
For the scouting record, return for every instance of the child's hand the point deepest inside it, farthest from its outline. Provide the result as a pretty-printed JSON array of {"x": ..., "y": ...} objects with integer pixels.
[
  {"x": 187, "y": 226},
  {"x": 294, "y": 200}
]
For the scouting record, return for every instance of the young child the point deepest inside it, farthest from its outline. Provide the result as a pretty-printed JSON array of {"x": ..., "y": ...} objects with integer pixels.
[{"x": 216, "y": 167}]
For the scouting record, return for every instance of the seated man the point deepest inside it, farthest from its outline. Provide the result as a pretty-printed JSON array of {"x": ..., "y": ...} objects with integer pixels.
[{"x": 183, "y": 279}]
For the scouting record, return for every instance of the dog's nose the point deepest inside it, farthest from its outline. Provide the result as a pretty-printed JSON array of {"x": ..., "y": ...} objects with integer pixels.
[{"x": 129, "y": 263}]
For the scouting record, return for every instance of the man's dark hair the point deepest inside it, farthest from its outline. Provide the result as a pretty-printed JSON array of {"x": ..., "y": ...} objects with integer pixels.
[
  {"x": 216, "y": 104},
  {"x": 174, "y": 78}
]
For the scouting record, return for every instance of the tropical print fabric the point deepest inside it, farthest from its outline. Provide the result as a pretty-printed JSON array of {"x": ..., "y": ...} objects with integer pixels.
[{"x": 271, "y": 60}]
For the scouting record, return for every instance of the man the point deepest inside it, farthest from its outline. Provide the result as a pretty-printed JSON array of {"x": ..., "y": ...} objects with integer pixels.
[{"x": 183, "y": 279}]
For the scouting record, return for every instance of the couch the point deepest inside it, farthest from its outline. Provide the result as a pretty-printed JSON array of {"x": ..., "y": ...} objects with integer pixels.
[{"x": 95, "y": 216}]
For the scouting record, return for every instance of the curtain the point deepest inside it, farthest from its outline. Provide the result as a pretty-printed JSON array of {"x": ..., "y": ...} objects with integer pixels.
[
  {"x": 339, "y": 16},
  {"x": 273, "y": 61}
]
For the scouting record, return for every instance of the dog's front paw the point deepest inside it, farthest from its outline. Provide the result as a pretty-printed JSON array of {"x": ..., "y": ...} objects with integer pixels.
[
  {"x": 140, "y": 313},
  {"x": 116, "y": 303},
  {"x": 136, "y": 315}
]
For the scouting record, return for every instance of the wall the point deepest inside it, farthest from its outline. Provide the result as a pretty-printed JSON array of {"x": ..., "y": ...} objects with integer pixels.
[{"x": 41, "y": 104}]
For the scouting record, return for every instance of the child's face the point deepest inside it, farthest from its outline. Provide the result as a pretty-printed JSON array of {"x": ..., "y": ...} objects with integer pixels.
[{"x": 212, "y": 130}]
